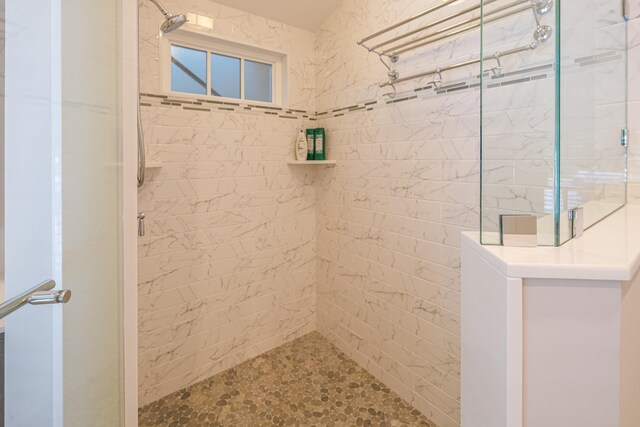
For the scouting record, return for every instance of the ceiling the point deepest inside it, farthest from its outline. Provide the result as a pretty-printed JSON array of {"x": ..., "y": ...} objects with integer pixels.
[{"x": 306, "y": 14}]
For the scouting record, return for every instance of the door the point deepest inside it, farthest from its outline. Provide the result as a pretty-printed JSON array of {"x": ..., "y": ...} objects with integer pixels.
[{"x": 62, "y": 211}]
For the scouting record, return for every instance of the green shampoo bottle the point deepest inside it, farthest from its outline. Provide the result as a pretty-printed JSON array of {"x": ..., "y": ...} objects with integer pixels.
[
  {"x": 320, "y": 144},
  {"x": 310, "y": 144}
]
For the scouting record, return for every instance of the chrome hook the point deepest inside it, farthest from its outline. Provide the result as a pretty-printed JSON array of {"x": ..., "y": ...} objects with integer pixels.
[
  {"x": 391, "y": 94},
  {"x": 497, "y": 71},
  {"x": 437, "y": 81}
]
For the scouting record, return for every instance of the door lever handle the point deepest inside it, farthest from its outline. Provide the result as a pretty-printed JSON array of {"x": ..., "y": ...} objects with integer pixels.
[
  {"x": 52, "y": 297},
  {"x": 38, "y": 295}
]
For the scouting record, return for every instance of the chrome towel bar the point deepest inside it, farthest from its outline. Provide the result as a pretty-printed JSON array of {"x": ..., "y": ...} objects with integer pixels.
[
  {"x": 443, "y": 27},
  {"x": 433, "y": 24},
  {"x": 458, "y": 28},
  {"x": 406, "y": 21},
  {"x": 439, "y": 71}
]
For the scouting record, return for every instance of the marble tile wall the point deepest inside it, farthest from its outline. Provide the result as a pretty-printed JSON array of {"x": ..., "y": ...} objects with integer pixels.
[
  {"x": 227, "y": 266},
  {"x": 390, "y": 213},
  {"x": 407, "y": 183}
]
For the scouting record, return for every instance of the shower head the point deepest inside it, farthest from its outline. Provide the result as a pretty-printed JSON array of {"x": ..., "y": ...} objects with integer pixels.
[{"x": 171, "y": 22}]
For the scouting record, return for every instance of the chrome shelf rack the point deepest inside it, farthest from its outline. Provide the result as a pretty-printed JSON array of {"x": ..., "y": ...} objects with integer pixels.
[{"x": 389, "y": 50}]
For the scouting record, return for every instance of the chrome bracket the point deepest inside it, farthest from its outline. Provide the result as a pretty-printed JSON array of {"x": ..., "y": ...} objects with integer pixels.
[
  {"x": 624, "y": 138},
  {"x": 141, "y": 217},
  {"x": 543, "y": 6},
  {"x": 437, "y": 80},
  {"x": 497, "y": 70},
  {"x": 519, "y": 230},
  {"x": 576, "y": 218}
]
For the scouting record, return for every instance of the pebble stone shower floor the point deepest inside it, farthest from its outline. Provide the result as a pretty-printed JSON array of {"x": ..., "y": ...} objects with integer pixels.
[{"x": 307, "y": 382}]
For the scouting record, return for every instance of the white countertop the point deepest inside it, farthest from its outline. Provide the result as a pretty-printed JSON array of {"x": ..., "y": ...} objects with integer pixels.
[{"x": 610, "y": 250}]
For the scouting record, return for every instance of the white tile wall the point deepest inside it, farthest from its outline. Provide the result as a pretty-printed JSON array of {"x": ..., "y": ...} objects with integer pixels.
[
  {"x": 406, "y": 184},
  {"x": 242, "y": 250},
  {"x": 389, "y": 217},
  {"x": 390, "y": 213},
  {"x": 227, "y": 267}
]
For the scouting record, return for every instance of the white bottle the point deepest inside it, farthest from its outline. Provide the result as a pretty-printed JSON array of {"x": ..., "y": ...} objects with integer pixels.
[{"x": 301, "y": 146}]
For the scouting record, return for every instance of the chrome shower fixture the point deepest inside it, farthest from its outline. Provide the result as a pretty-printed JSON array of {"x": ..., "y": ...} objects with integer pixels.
[
  {"x": 544, "y": 6},
  {"x": 542, "y": 33},
  {"x": 171, "y": 22}
]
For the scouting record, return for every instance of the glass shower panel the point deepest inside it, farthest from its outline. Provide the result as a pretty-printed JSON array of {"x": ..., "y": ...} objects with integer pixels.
[
  {"x": 518, "y": 109},
  {"x": 593, "y": 97},
  {"x": 552, "y": 115}
]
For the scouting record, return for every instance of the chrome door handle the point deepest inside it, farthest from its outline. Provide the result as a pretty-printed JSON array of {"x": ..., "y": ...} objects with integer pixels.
[
  {"x": 37, "y": 295},
  {"x": 52, "y": 297}
]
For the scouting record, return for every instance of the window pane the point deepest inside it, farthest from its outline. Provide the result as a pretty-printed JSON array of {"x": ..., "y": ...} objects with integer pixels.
[
  {"x": 188, "y": 70},
  {"x": 225, "y": 76},
  {"x": 258, "y": 81}
]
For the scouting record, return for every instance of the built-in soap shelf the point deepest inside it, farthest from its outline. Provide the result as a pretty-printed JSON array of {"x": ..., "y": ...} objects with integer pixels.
[
  {"x": 153, "y": 165},
  {"x": 311, "y": 162}
]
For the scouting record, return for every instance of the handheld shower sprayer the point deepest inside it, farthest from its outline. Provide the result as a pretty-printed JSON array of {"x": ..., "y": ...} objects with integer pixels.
[{"x": 171, "y": 22}]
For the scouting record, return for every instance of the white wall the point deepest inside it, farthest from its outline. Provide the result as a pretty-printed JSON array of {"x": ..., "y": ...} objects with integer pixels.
[{"x": 227, "y": 267}]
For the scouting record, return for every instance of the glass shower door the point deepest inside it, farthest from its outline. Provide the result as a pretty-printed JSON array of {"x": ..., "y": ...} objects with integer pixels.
[{"x": 62, "y": 213}]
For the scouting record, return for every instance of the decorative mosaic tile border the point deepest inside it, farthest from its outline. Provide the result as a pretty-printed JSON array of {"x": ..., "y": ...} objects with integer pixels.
[
  {"x": 425, "y": 92},
  {"x": 153, "y": 100}
]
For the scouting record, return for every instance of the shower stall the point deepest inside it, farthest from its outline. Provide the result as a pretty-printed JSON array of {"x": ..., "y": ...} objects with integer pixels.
[{"x": 506, "y": 117}]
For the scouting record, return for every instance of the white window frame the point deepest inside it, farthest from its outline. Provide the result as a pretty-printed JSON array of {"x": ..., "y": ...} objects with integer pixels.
[{"x": 193, "y": 39}]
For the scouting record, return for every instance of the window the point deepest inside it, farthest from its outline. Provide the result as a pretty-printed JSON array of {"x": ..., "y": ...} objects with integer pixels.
[
  {"x": 188, "y": 70},
  {"x": 257, "y": 81},
  {"x": 202, "y": 65},
  {"x": 225, "y": 76}
]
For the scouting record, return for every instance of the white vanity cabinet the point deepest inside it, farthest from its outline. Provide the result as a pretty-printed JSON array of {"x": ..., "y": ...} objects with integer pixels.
[{"x": 551, "y": 336}]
